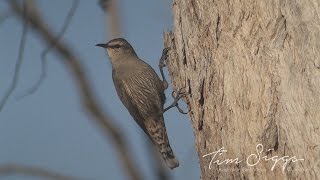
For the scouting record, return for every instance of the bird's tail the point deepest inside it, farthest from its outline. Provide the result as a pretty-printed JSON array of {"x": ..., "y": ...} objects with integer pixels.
[
  {"x": 170, "y": 159},
  {"x": 157, "y": 133}
]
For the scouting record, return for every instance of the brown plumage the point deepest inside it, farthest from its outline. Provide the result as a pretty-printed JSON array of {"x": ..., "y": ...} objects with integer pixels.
[{"x": 142, "y": 93}]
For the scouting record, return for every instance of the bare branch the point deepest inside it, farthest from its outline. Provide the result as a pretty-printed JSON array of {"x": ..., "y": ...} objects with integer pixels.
[
  {"x": 110, "y": 7},
  {"x": 72, "y": 62},
  {"x": 10, "y": 169},
  {"x": 19, "y": 61},
  {"x": 45, "y": 52}
]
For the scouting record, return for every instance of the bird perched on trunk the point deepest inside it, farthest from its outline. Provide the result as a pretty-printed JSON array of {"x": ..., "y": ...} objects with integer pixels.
[{"x": 142, "y": 93}]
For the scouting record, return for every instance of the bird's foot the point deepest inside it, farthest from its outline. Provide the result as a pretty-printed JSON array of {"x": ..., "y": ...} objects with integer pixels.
[
  {"x": 162, "y": 64},
  {"x": 176, "y": 98}
]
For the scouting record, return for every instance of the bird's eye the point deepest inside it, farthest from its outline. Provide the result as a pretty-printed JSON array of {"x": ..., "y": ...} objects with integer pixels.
[{"x": 116, "y": 46}]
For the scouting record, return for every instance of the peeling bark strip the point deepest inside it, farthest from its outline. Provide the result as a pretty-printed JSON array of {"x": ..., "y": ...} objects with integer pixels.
[{"x": 252, "y": 72}]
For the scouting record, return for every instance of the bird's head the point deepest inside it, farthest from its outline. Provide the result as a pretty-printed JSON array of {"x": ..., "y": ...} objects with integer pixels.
[{"x": 118, "y": 48}]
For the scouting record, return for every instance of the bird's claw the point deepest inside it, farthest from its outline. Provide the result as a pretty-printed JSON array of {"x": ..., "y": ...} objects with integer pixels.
[
  {"x": 176, "y": 98},
  {"x": 164, "y": 57},
  {"x": 181, "y": 111},
  {"x": 162, "y": 64}
]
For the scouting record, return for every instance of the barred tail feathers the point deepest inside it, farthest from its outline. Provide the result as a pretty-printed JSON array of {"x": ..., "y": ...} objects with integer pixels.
[
  {"x": 171, "y": 161},
  {"x": 157, "y": 133}
]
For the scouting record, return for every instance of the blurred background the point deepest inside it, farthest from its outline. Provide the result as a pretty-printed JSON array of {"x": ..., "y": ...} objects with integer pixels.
[{"x": 49, "y": 128}]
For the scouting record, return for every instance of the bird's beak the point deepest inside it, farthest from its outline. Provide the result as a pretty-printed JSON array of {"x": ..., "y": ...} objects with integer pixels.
[{"x": 102, "y": 45}]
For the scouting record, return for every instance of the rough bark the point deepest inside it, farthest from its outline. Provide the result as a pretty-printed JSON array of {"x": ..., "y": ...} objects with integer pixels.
[{"x": 252, "y": 71}]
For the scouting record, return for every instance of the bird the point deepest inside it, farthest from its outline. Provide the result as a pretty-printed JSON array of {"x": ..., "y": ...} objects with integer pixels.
[{"x": 142, "y": 93}]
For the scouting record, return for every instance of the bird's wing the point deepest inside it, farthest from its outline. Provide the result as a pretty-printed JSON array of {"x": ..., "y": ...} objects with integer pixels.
[
  {"x": 141, "y": 95},
  {"x": 152, "y": 80},
  {"x": 127, "y": 102}
]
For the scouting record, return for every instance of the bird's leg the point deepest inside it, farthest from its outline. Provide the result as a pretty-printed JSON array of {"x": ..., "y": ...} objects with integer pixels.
[
  {"x": 176, "y": 98},
  {"x": 162, "y": 64}
]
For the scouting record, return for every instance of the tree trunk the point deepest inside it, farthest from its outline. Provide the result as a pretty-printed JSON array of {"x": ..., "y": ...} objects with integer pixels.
[{"x": 252, "y": 73}]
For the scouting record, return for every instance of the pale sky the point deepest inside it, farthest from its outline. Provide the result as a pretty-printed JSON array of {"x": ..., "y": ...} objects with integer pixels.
[{"x": 49, "y": 128}]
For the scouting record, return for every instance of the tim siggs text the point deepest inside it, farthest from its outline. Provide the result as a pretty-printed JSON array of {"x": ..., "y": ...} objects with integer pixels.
[{"x": 252, "y": 159}]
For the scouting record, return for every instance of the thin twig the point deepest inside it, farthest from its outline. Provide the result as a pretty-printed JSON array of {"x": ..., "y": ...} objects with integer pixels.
[
  {"x": 19, "y": 60},
  {"x": 45, "y": 52},
  {"x": 11, "y": 169},
  {"x": 89, "y": 100}
]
